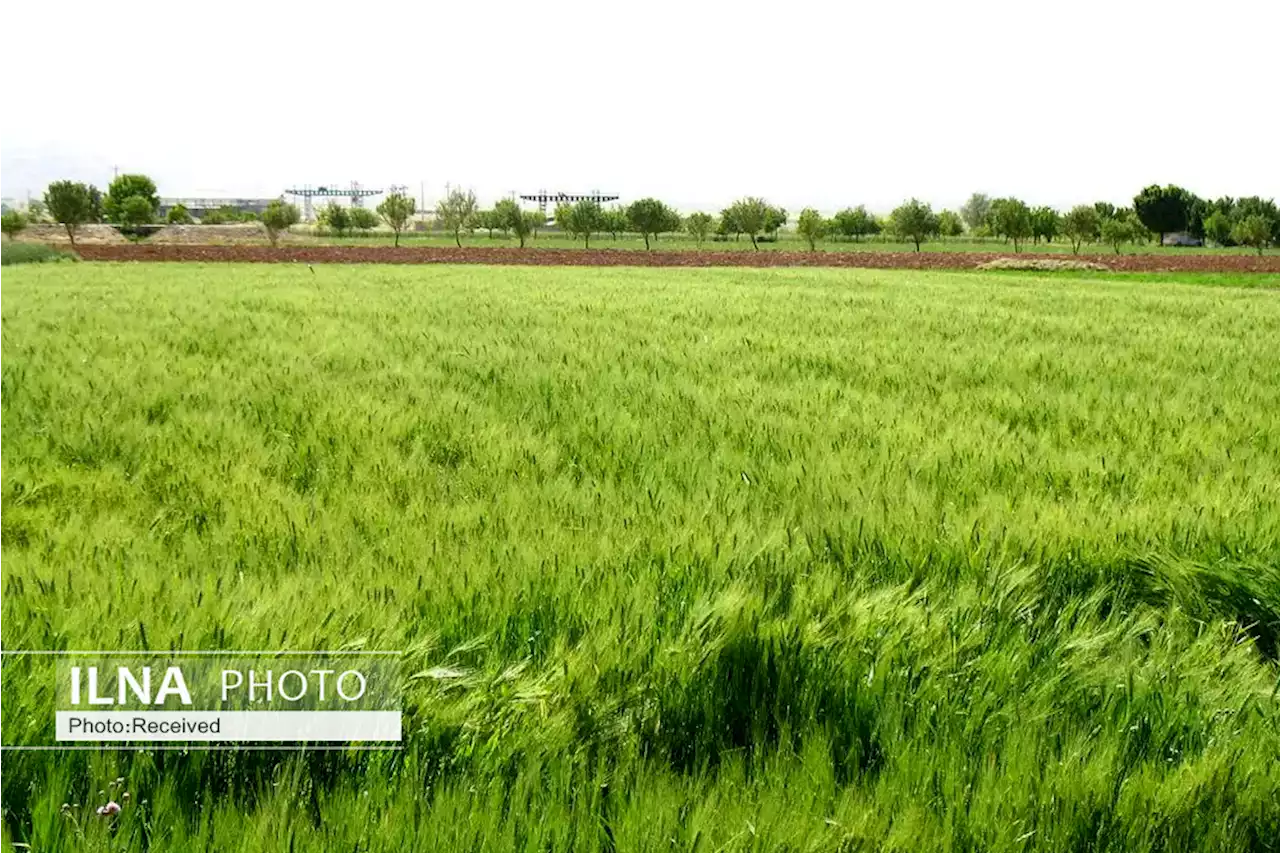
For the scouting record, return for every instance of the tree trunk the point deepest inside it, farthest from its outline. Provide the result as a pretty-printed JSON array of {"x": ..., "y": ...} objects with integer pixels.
[
  {"x": 521, "y": 241},
  {"x": 71, "y": 234},
  {"x": 753, "y": 242},
  {"x": 917, "y": 242},
  {"x": 457, "y": 238},
  {"x": 646, "y": 241},
  {"x": 397, "y": 239}
]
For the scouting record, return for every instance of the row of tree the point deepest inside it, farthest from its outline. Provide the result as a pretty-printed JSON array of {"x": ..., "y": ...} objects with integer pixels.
[
  {"x": 1156, "y": 212},
  {"x": 1245, "y": 222},
  {"x": 1250, "y": 222},
  {"x": 132, "y": 200}
]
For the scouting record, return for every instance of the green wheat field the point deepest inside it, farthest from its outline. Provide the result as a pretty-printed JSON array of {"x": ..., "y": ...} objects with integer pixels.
[{"x": 680, "y": 560}]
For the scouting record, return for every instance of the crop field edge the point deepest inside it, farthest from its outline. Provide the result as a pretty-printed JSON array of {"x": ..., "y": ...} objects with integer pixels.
[{"x": 614, "y": 257}]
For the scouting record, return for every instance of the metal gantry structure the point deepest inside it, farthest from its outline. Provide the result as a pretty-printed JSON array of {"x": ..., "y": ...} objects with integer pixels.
[
  {"x": 355, "y": 193},
  {"x": 543, "y": 198}
]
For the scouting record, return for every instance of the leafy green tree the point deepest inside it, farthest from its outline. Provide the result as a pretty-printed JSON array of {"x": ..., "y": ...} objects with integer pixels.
[
  {"x": 362, "y": 219},
  {"x": 280, "y": 217},
  {"x": 975, "y": 211},
  {"x": 1080, "y": 224},
  {"x": 490, "y": 221},
  {"x": 335, "y": 218},
  {"x": 728, "y": 224},
  {"x": 914, "y": 221},
  {"x": 994, "y": 217},
  {"x": 749, "y": 216},
  {"x": 1119, "y": 229},
  {"x": 1197, "y": 210},
  {"x": 135, "y": 210},
  {"x": 70, "y": 204},
  {"x": 456, "y": 212},
  {"x": 1046, "y": 223},
  {"x": 1253, "y": 230},
  {"x": 1139, "y": 231},
  {"x": 585, "y": 218},
  {"x": 564, "y": 218},
  {"x": 855, "y": 222},
  {"x": 1255, "y": 206},
  {"x": 698, "y": 225},
  {"x": 1105, "y": 210},
  {"x": 1163, "y": 210},
  {"x": 12, "y": 223},
  {"x": 1012, "y": 219},
  {"x": 775, "y": 218},
  {"x": 1226, "y": 204},
  {"x": 534, "y": 221},
  {"x": 178, "y": 215},
  {"x": 811, "y": 226},
  {"x": 521, "y": 225},
  {"x": 224, "y": 215},
  {"x": 650, "y": 217},
  {"x": 124, "y": 188},
  {"x": 396, "y": 210},
  {"x": 507, "y": 217},
  {"x": 950, "y": 224},
  {"x": 1217, "y": 227},
  {"x": 616, "y": 222},
  {"x": 95, "y": 204}
]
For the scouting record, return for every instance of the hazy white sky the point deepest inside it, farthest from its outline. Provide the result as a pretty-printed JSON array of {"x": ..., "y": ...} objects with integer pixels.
[{"x": 805, "y": 103}]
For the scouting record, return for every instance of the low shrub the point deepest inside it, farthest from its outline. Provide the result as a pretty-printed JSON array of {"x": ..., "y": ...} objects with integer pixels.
[{"x": 32, "y": 253}]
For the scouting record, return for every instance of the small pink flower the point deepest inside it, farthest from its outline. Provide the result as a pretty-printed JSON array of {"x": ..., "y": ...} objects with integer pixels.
[{"x": 111, "y": 808}]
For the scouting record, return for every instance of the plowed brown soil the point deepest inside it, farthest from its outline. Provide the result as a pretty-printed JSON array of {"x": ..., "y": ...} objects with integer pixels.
[{"x": 615, "y": 257}]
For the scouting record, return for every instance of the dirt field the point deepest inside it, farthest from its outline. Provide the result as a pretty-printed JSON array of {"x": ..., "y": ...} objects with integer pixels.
[
  {"x": 613, "y": 257},
  {"x": 44, "y": 232},
  {"x": 246, "y": 233}
]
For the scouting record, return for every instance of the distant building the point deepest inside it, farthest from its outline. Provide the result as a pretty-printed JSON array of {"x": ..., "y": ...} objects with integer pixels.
[
  {"x": 1181, "y": 238},
  {"x": 197, "y": 207}
]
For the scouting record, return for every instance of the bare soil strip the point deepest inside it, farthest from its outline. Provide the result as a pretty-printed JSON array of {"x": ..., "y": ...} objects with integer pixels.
[{"x": 616, "y": 257}]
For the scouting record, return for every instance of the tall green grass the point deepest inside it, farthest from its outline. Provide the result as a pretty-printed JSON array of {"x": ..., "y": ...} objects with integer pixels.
[
  {"x": 12, "y": 253},
  {"x": 696, "y": 560}
]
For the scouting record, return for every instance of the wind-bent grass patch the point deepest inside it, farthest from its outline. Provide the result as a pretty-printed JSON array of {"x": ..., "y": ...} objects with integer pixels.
[{"x": 691, "y": 559}]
